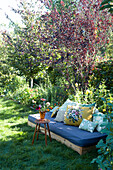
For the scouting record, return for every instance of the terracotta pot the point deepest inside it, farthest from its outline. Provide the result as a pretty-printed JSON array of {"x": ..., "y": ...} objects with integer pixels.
[{"x": 42, "y": 114}]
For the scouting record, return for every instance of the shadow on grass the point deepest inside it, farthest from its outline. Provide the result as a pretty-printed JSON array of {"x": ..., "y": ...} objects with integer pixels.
[
  {"x": 12, "y": 109},
  {"x": 18, "y": 153}
]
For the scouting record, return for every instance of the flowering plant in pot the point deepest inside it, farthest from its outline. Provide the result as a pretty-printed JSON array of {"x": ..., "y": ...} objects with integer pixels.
[{"x": 43, "y": 108}]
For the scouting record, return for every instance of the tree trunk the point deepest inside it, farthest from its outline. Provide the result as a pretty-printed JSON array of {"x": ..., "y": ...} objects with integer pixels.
[{"x": 31, "y": 82}]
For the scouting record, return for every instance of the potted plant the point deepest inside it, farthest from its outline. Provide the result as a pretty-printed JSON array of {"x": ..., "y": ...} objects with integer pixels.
[{"x": 43, "y": 108}]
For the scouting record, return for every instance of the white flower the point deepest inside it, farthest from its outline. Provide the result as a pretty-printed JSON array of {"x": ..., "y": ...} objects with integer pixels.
[
  {"x": 33, "y": 101},
  {"x": 48, "y": 104}
]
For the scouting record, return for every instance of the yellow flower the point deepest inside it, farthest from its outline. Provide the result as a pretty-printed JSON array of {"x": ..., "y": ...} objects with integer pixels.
[
  {"x": 91, "y": 92},
  {"x": 87, "y": 92},
  {"x": 104, "y": 110},
  {"x": 76, "y": 84}
]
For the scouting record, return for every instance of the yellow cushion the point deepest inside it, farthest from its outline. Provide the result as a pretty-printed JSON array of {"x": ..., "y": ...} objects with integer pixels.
[
  {"x": 75, "y": 115},
  {"x": 54, "y": 112}
]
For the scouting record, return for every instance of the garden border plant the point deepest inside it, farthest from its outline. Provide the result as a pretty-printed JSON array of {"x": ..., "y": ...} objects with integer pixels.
[{"x": 105, "y": 149}]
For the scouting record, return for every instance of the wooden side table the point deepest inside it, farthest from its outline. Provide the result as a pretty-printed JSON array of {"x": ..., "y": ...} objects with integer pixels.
[{"x": 45, "y": 122}]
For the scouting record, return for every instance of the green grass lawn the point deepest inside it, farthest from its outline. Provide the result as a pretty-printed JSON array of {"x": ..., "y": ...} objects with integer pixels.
[{"x": 17, "y": 152}]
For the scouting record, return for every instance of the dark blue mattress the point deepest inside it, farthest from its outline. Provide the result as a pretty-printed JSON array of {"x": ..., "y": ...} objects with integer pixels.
[{"x": 72, "y": 133}]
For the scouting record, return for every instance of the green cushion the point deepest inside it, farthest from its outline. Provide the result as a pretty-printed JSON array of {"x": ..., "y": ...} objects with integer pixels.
[
  {"x": 101, "y": 120},
  {"x": 87, "y": 125}
]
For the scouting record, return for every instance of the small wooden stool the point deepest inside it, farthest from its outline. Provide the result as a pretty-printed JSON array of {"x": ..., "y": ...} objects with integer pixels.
[{"x": 38, "y": 122}]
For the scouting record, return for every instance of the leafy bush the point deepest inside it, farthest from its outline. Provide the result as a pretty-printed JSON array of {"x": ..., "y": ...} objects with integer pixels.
[
  {"x": 103, "y": 72},
  {"x": 93, "y": 95},
  {"x": 13, "y": 83},
  {"x": 105, "y": 149},
  {"x": 56, "y": 95},
  {"x": 25, "y": 95},
  {"x": 22, "y": 93}
]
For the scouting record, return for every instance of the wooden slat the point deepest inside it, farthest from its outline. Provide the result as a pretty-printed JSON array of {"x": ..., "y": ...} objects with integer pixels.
[{"x": 79, "y": 149}]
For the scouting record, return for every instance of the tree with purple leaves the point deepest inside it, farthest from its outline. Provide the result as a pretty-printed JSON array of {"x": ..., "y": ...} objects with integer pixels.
[
  {"x": 75, "y": 37},
  {"x": 68, "y": 38}
]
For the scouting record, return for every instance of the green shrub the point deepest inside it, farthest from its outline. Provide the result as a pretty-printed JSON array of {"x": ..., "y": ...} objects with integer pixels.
[
  {"x": 103, "y": 72},
  {"x": 22, "y": 93},
  {"x": 56, "y": 95},
  {"x": 13, "y": 83},
  {"x": 105, "y": 149},
  {"x": 93, "y": 95}
]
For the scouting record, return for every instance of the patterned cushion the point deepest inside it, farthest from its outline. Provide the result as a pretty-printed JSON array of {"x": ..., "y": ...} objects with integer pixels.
[
  {"x": 87, "y": 125},
  {"x": 101, "y": 120},
  {"x": 75, "y": 114},
  {"x": 54, "y": 113},
  {"x": 62, "y": 110}
]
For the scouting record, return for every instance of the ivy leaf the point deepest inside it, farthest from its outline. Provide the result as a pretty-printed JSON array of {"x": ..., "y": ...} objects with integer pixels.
[
  {"x": 106, "y": 6},
  {"x": 94, "y": 160},
  {"x": 111, "y": 10},
  {"x": 103, "y": 99},
  {"x": 110, "y": 104},
  {"x": 105, "y": 2}
]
